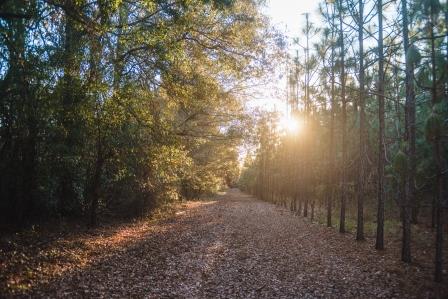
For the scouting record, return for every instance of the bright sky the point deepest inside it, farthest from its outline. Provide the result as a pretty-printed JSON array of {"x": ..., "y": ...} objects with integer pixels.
[
  {"x": 288, "y": 14},
  {"x": 288, "y": 17}
]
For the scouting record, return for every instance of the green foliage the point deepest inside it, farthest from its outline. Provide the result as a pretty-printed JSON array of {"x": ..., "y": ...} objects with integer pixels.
[
  {"x": 400, "y": 163},
  {"x": 413, "y": 55},
  {"x": 431, "y": 7},
  {"x": 247, "y": 180},
  {"x": 119, "y": 106},
  {"x": 433, "y": 127}
]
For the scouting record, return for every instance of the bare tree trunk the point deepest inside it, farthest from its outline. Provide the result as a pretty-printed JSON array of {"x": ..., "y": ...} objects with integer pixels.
[
  {"x": 439, "y": 161},
  {"x": 330, "y": 182},
  {"x": 362, "y": 128},
  {"x": 306, "y": 156},
  {"x": 439, "y": 213},
  {"x": 409, "y": 191},
  {"x": 381, "y": 158},
  {"x": 18, "y": 122},
  {"x": 68, "y": 117},
  {"x": 433, "y": 209},
  {"x": 343, "y": 126},
  {"x": 94, "y": 183}
]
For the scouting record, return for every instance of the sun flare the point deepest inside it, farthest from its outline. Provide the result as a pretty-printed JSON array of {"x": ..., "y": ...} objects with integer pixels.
[{"x": 290, "y": 125}]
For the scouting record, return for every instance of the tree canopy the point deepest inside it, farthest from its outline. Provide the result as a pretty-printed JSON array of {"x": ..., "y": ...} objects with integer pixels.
[{"x": 118, "y": 106}]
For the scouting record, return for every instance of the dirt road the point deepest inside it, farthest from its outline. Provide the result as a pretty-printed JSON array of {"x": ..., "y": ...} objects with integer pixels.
[{"x": 238, "y": 247}]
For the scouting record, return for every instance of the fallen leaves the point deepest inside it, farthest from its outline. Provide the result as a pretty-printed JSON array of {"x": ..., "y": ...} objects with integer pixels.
[{"x": 235, "y": 246}]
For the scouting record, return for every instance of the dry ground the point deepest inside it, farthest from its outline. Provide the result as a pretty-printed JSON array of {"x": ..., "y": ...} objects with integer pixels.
[{"x": 232, "y": 247}]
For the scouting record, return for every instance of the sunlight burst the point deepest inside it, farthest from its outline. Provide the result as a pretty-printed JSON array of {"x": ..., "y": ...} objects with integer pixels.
[{"x": 290, "y": 125}]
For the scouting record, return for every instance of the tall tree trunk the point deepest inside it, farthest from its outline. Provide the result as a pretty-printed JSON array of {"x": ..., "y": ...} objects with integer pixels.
[
  {"x": 362, "y": 128},
  {"x": 398, "y": 115},
  {"x": 438, "y": 158},
  {"x": 18, "y": 118},
  {"x": 446, "y": 53},
  {"x": 306, "y": 145},
  {"x": 343, "y": 126},
  {"x": 381, "y": 158},
  {"x": 69, "y": 119},
  {"x": 94, "y": 181},
  {"x": 434, "y": 208},
  {"x": 409, "y": 179},
  {"x": 331, "y": 157}
]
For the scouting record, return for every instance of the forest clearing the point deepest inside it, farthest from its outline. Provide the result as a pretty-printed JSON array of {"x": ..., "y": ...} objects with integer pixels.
[{"x": 124, "y": 122}]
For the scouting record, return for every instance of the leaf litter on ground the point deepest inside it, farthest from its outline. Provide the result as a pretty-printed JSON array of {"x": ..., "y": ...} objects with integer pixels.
[{"x": 231, "y": 247}]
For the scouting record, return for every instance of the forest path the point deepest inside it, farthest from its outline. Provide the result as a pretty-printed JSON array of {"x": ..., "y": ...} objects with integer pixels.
[{"x": 237, "y": 247}]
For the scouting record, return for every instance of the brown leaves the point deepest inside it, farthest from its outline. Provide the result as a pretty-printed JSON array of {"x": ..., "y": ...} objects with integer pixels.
[{"x": 235, "y": 246}]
